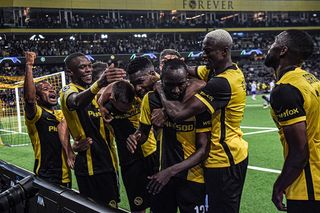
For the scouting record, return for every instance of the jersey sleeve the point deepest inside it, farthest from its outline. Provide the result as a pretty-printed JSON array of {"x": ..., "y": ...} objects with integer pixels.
[
  {"x": 36, "y": 116},
  {"x": 64, "y": 94},
  {"x": 203, "y": 122},
  {"x": 202, "y": 72},
  {"x": 216, "y": 94},
  {"x": 287, "y": 104},
  {"x": 145, "y": 112}
]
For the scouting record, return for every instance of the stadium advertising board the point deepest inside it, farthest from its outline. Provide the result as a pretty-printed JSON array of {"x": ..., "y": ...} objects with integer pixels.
[{"x": 189, "y": 5}]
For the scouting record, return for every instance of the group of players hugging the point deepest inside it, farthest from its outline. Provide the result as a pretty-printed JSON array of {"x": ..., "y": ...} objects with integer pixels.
[{"x": 175, "y": 133}]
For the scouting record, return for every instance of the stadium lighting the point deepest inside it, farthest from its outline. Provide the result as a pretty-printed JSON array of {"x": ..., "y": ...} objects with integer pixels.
[
  {"x": 104, "y": 36},
  {"x": 36, "y": 37},
  {"x": 32, "y": 37}
]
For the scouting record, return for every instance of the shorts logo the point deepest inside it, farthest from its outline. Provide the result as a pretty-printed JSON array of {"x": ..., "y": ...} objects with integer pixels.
[
  {"x": 64, "y": 89},
  {"x": 138, "y": 201},
  {"x": 113, "y": 203}
]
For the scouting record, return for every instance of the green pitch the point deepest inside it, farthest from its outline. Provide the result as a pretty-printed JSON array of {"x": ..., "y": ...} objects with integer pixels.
[{"x": 265, "y": 159}]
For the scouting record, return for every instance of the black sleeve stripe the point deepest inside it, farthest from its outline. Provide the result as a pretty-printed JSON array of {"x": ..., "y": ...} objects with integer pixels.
[
  {"x": 287, "y": 102},
  {"x": 217, "y": 92}
]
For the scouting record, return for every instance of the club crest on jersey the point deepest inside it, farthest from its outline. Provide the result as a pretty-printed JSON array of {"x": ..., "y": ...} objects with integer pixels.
[{"x": 65, "y": 88}]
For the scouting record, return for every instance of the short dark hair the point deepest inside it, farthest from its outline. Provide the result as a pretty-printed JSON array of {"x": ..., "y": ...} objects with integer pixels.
[
  {"x": 139, "y": 63},
  {"x": 123, "y": 92},
  {"x": 68, "y": 60},
  {"x": 169, "y": 52},
  {"x": 298, "y": 42},
  {"x": 173, "y": 64},
  {"x": 98, "y": 68}
]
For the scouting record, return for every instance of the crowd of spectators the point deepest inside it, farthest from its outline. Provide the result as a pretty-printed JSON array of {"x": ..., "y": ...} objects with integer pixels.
[
  {"x": 129, "y": 43},
  {"x": 127, "y": 20}
]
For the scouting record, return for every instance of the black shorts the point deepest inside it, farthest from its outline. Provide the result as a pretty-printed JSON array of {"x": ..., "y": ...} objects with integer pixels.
[
  {"x": 307, "y": 206},
  {"x": 179, "y": 193},
  {"x": 135, "y": 180},
  {"x": 102, "y": 188},
  {"x": 224, "y": 187},
  {"x": 152, "y": 163}
]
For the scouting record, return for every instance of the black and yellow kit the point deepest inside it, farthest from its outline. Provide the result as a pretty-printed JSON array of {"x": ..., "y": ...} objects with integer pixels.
[
  {"x": 178, "y": 140},
  {"x": 204, "y": 73},
  {"x": 133, "y": 167},
  {"x": 294, "y": 99},
  {"x": 225, "y": 97},
  {"x": 87, "y": 122},
  {"x": 125, "y": 124},
  {"x": 50, "y": 159}
]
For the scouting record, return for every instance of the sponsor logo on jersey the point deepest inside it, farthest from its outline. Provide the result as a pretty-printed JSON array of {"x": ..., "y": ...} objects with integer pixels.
[{"x": 288, "y": 112}]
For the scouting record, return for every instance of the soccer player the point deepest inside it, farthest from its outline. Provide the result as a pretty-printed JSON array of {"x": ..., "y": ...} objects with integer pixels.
[
  {"x": 94, "y": 165},
  {"x": 224, "y": 97},
  {"x": 295, "y": 106},
  {"x": 124, "y": 111},
  {"x": 183, "y": 145},
  {"x": 47, "y": 129}
]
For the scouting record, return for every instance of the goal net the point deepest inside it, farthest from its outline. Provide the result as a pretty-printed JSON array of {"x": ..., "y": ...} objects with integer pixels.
[{"x": 13, "y": 131}]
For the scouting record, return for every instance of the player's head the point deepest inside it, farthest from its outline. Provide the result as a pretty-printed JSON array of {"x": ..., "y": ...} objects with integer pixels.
[
  {"x": 290, "y": 47},
  {"x": 217, "y": 46},
  {"x": 79, "y": 68},
  {"x": 141, "y": 72},
  {"x": 174, "y": 79},
  {"x": 122, "y": 95},
  {"x": 97, "y": 69},
  {"x": 167, "y": 54},
  {"x": 45, "y": 94}
]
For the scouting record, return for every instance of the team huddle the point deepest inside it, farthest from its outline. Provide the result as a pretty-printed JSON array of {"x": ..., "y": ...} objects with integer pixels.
[{"x": 175, "y": 134}]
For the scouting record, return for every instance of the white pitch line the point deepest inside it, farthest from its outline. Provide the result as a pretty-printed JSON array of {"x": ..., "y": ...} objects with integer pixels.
[
  {"x": 10, "y": 131},
  {"x": 259, "y": 132},
  {"x": 264, "y": 169},
  {"x": 254, "y": 105},
  {"x": 256, "y": 127}
]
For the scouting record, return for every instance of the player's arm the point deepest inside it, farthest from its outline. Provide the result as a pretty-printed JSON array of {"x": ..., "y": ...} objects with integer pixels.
[
  {"x": 214, "y": 96},
  {"x": 82, "y": 99},
  {"x": 105, "y": 95},
  {"x": 29, "y": 87},
  {"x": 142, "y": 133},
  {"x": 286, "y": 97},
  {"x": 65, "y": 142}
]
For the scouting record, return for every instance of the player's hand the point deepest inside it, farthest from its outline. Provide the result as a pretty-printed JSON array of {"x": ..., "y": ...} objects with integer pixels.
[
  {"x": 111, "y": 74},
  {"x": 158, "y": 117},
  {"x": 30, "y": 57},
  {"x": 132, "y": 141},
  {"x": 158, "y": 181},
  {"x": 81, "y": 145},
  {"x": 71, "y": 157},
  {"x": 277, "y": 199}
]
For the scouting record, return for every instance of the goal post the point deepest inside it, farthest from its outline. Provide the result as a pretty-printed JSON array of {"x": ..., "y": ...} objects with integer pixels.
[{"x": 13, "y": 131}]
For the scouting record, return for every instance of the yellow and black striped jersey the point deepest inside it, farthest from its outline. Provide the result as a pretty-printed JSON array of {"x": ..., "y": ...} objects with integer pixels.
[
  {"x": 294, "y": 99},
  {"x": 125, "y": 124},
  {"x": 87, "y": 122},
  {"x": 178, "y": 140},
  {"x": 225, "y": 97},
  {"x": 204, "y": 73},
  {"x": 50, "y": 159}
]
